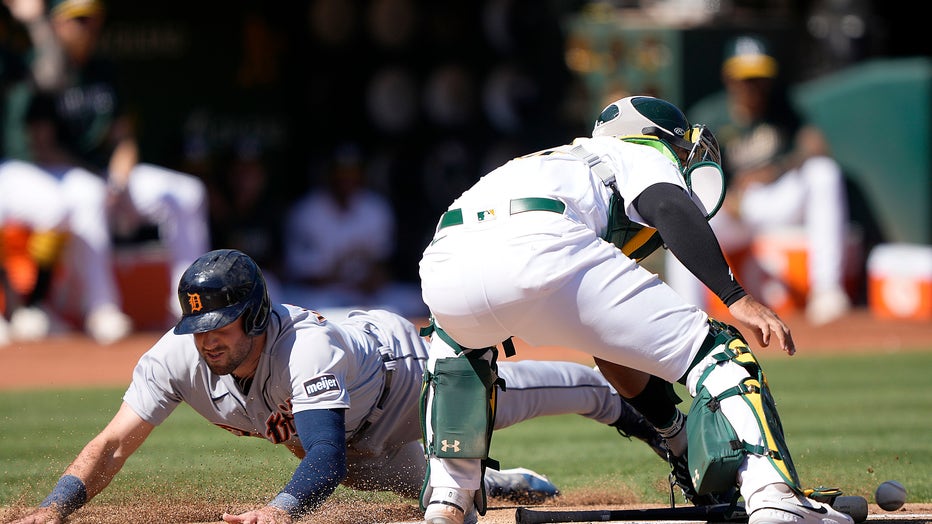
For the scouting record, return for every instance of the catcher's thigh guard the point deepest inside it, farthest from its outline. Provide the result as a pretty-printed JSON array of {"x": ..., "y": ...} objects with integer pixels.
[{"x": 715, "y": 450}]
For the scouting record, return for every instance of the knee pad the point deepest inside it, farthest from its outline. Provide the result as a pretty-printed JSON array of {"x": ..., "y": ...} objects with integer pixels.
[
  {"x": 463, "y": 396},
  {"x": 715, "y": 451}
]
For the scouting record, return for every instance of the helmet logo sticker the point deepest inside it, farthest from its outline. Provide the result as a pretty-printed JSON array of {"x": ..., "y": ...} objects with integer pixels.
[{"x": 194, "y": 300}]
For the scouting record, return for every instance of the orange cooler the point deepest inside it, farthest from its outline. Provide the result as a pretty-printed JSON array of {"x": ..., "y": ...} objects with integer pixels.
[{"x": 900, "y": 281}]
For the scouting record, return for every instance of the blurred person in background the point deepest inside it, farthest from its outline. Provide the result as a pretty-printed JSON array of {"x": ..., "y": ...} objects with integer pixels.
[
  {"x": 780, "y": 173},
  {"x": 339, "y": 240},
  {"x": 97, "y": 132},
  {"x": 31, "y": 235},
  {"x": 245, "y": 212}
]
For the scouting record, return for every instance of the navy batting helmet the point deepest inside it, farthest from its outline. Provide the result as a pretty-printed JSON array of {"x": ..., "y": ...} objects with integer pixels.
[{"x": 219, "y": 287}]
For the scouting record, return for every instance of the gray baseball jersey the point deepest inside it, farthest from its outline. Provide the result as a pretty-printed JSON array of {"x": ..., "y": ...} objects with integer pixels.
[
  {"x": 308, "y": 363},
  {"x": 313, "y": 363}
]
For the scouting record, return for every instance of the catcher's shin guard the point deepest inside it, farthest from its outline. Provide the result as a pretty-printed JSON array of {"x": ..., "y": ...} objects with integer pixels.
[
  {"x": 715, "y": 450},
  {"x": 462, "y": 399},
  {"x": 462, "y": 392}
]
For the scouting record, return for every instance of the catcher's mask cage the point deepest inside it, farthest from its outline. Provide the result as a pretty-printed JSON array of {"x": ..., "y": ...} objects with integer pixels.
[{"x": 220, "y": 287}]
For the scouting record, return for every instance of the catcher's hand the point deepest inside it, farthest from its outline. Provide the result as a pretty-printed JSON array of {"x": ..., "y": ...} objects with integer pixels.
[{"x": 763, "y": 322}]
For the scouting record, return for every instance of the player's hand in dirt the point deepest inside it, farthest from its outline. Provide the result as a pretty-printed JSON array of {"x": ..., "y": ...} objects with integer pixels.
[
  {"x": 763, "y": 322},
  {"x": 40, "y": 516},
  {"x": 266, "y": 515}
]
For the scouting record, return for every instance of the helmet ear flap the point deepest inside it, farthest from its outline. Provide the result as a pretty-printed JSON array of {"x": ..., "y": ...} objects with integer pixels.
[{"x": 256, "y": 317}]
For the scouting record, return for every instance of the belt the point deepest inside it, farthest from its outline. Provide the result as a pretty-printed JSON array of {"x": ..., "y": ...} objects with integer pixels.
[{"x": 454, "y": 217}]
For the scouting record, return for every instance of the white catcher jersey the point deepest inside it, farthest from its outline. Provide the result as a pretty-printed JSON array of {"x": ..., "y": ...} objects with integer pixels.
[
  {"x": 308, "y": 363},
  {"x": 549, "y": 278}
]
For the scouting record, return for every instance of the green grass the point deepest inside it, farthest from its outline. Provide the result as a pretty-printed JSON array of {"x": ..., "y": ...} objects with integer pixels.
[{"x": 851, "y": 422}]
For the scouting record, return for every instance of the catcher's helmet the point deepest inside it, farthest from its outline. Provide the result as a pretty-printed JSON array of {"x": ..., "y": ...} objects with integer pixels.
[
  {"x": 646, "y": 115},
  {"x": 643, "y": 115},
  {"x": 218, "y": 288}
]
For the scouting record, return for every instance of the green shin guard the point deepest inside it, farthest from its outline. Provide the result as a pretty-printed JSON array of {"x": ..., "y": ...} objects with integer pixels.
[
  {"x": 462, "y": 408},
  {"x": 715, "y": 451},
  {"x": 462, "y": 393}
]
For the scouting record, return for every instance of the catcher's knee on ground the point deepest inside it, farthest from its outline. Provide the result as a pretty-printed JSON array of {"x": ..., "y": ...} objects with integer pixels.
[{"x": 733, "y": 420}]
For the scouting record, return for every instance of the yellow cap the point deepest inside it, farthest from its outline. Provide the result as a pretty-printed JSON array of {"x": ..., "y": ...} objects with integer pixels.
[
  {"x": 748, "y": 57},
  {"x": 69, "y": 9}
]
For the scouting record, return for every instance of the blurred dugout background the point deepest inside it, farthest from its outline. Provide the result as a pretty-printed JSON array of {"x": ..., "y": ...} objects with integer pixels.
[{"x": 437, "y": 92}]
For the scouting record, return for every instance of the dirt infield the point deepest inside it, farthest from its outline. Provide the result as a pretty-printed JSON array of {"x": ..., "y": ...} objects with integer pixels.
[
  {"x": 76, "y": 361},
  {"x": 394, "y": 513}
]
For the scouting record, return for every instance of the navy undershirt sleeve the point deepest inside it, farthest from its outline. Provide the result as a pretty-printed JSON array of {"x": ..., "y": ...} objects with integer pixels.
[
  {"x": 323, "y": 436},
  {"x": 687, "y": 234}
]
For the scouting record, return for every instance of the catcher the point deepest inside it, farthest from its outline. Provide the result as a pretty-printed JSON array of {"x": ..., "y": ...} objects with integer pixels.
[
  {"x": 545, "y": 248},
  {"x": 343, "y": 397}
]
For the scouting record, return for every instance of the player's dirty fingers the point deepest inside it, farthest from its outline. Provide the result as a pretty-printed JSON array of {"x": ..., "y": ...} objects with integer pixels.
[{"x": 266, "y": 515}]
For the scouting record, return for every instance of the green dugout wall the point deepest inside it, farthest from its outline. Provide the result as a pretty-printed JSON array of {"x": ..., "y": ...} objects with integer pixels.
[{"x": 876, "y": 116}]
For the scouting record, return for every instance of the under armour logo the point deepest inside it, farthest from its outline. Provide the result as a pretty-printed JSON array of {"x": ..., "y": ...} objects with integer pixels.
[
  {"x": 447, "y": 446},
  {"x": 194, "y": 300}
]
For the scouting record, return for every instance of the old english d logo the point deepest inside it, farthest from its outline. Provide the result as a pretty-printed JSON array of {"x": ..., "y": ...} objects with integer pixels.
[{"x": 194, "y": 300}]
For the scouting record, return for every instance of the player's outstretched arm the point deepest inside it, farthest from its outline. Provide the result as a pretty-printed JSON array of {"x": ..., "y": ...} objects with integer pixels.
[
  {"x": 93, "y": 469},
  {"x": 323, "y": 435}
]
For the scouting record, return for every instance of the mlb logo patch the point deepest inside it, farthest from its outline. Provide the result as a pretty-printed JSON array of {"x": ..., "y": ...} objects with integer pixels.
[
  {"x": 321, "y": 384},
  {"x": 488, "y": 214}
]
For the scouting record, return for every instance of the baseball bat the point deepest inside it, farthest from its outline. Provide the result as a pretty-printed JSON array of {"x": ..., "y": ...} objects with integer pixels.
[
  {"x": 854, "y": 506},
  {"x": 714, "y": 513}
]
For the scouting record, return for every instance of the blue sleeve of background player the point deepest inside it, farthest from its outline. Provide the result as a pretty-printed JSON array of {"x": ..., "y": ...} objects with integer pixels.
[{"x": 323, "y": 437}]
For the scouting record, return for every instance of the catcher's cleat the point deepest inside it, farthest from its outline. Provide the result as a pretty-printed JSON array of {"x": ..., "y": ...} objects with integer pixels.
[
  {"x": 519, "y": 485},
  {"x": 451, "y": 506},
  {"x": 632, "y": 424},
  {"x": 779, "y": 504},
  {"x": 680, "y": 478}
]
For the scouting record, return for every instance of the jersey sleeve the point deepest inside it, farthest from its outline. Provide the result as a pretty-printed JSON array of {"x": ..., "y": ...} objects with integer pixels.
[
  {"x": 319, "y": 369},
  {"x": 151, "y": 393}
]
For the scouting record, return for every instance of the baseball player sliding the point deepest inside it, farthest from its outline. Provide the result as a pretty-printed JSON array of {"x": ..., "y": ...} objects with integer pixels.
[
  {"x": 545, "y": 248},
  {"x": 343, "y": 397}
]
